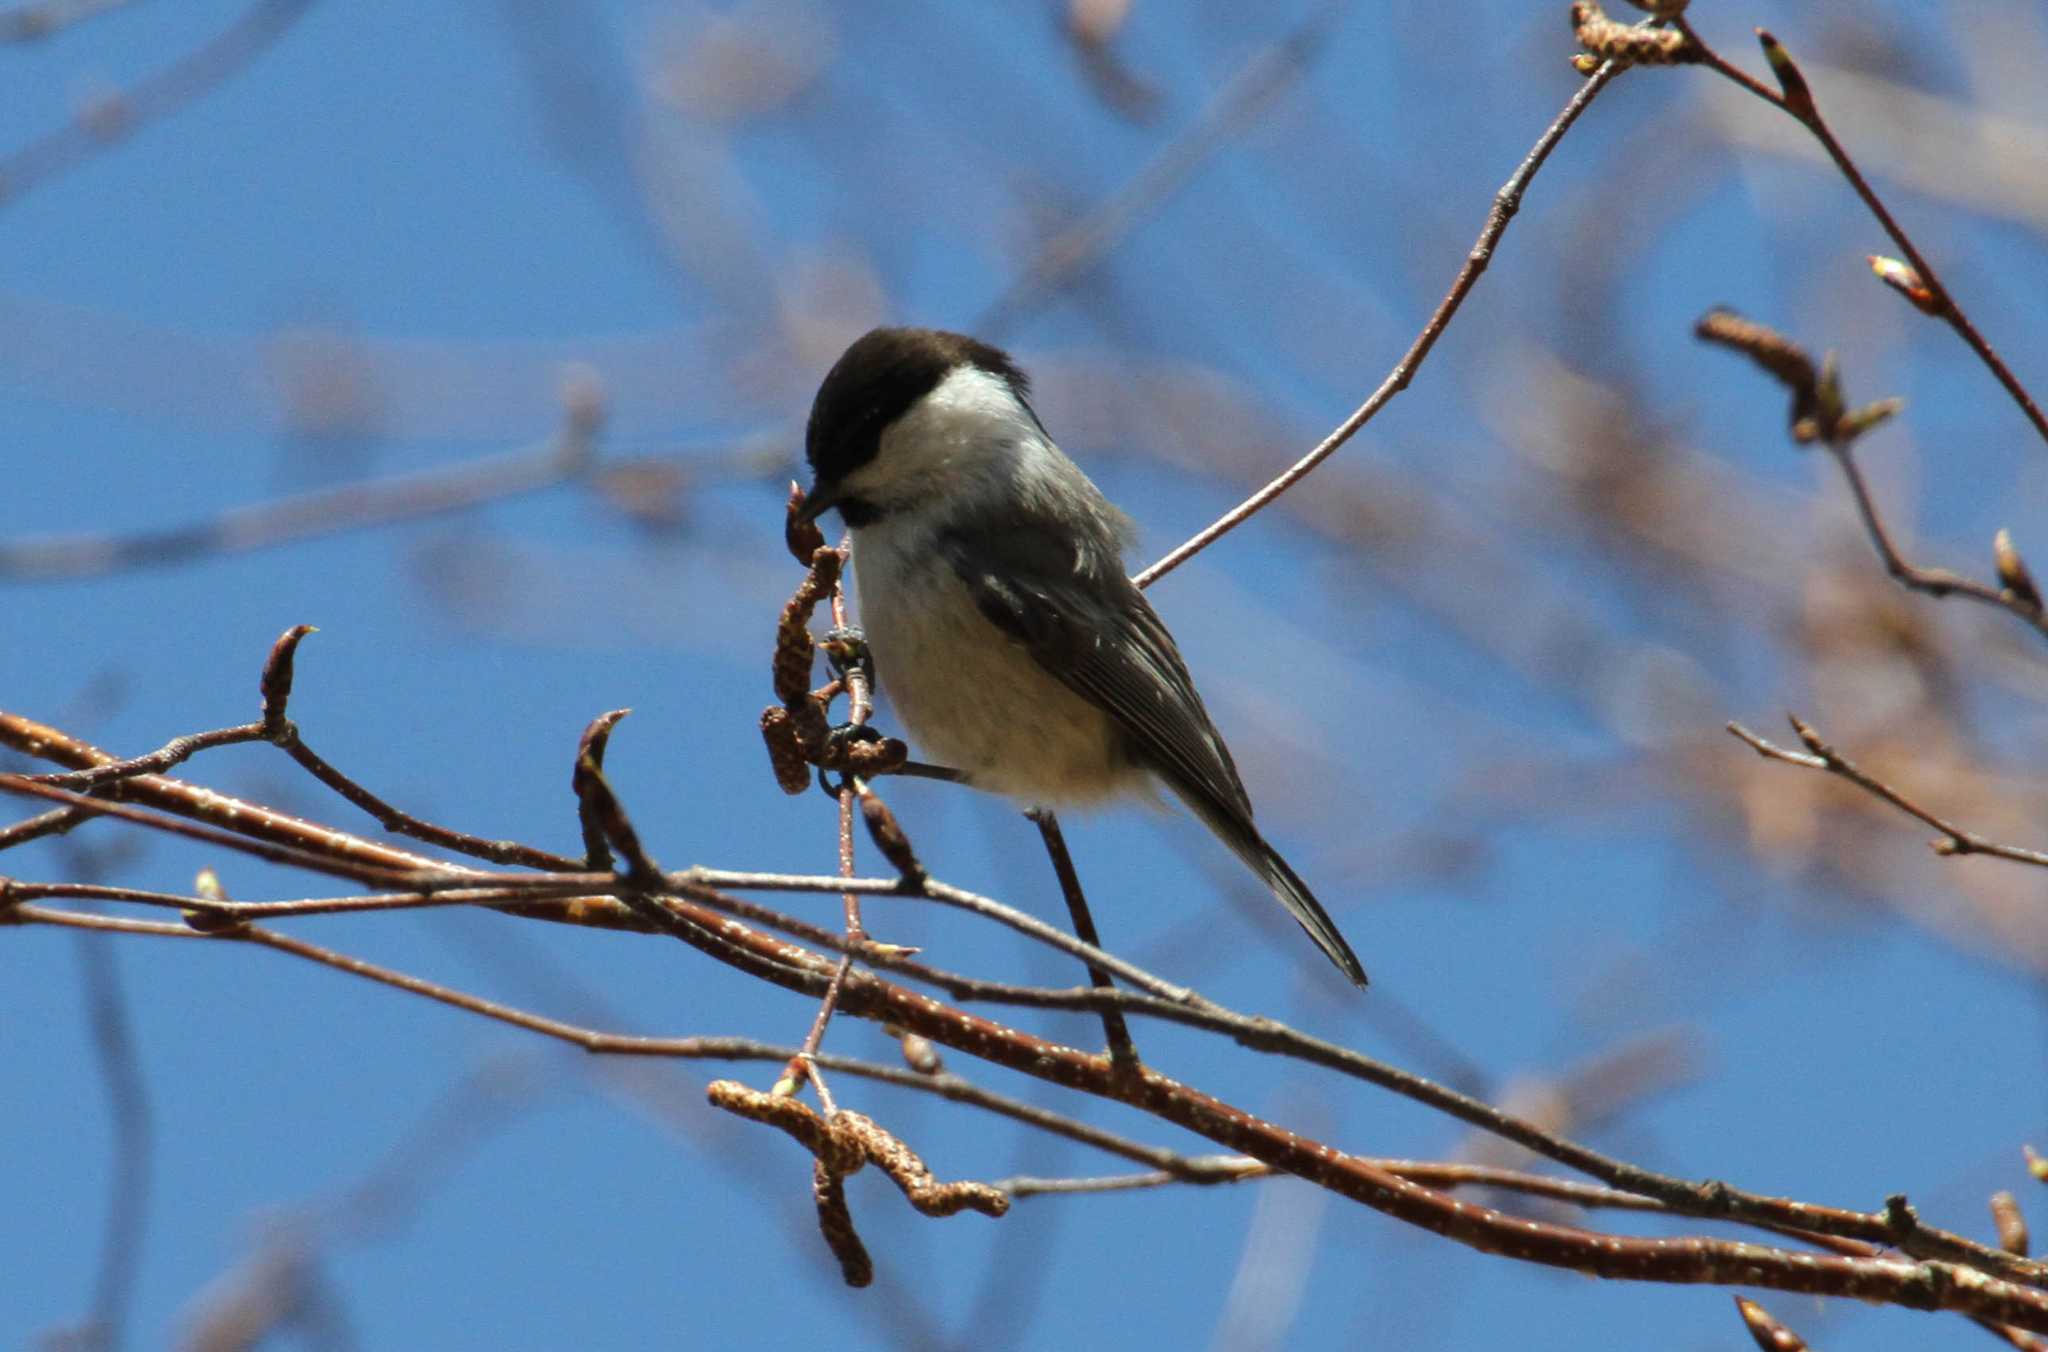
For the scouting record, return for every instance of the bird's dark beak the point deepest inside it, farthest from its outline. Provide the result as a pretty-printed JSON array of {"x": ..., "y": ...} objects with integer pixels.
[{"x": 822, "y": 498}]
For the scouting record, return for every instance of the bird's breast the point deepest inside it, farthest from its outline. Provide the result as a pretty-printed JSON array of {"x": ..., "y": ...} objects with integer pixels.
[{"x": 971, "y": 697}]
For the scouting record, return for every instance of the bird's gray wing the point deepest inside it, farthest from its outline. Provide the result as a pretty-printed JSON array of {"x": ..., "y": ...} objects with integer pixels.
[
  {"x": 1081, "y": 619},
  {"x": 1073, "y": 610}
]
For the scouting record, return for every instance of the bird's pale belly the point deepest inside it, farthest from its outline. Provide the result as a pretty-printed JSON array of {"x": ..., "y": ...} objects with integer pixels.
[{"x": 974, "y": 700}]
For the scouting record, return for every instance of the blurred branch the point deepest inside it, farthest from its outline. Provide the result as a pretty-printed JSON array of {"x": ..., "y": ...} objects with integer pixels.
[
  {"x": 115, "y": 117},
  {"x": 359, "y": 506},
  {"x": 42, "y": 18},
  {"x": 1955, "y": 840},
  {"x": 1264, "y": 76},
  {"x": 1091, "y": 28},
  {"x": 133, "y": 1153},
  {"x": 277, "y": 1284},
  {"x": 1506, "y": 202}
]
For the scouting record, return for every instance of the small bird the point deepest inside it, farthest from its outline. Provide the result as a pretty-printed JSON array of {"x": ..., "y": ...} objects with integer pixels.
[{"x": 995, "y": 604}]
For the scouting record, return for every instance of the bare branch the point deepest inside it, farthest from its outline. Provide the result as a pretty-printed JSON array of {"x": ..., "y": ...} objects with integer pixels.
[
  {"x": 564, "y": 458},
  {"x": 118, "y": 116},
  {"x": 1820, "y": 413},
  {"x": 1796, "y": 99},
  {"x": 1955, "y": 840},
  {"x": 1506, "y": 202}
]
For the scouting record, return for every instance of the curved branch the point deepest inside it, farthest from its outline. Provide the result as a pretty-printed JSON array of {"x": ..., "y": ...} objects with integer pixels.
[{"x": 1506, "y": 202}]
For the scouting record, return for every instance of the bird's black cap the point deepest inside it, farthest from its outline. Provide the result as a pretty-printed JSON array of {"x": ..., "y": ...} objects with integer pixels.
[{"x": 874, "y": 383}]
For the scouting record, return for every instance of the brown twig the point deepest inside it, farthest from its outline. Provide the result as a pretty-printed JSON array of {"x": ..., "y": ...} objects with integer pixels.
[
  {"x": 597, "y": 851},
  {"x": 1765, "y": 1328},
  {"x": 1795, "y": 97},
  {"x": 953, "y": 1088},
  {"x": 786, "y": 965},
  {"x": 684, "y": 912},
  {"x": 2011, "y": 1222},
  {"x": 100, "y": 770},
  {"x": 1955, "y": 840},
  {"x": 204, "y": 911},
  {"x": 1916, "y": 1284},
  {"x": 827, "y": 570},
  {"x": 290, "y": 855},
  {"x": 841, "y": 1143},
  {"x": 958, "y": 898},
  {"x": 1936, "y": 582},
  {"x": 1442, "y": 1175},
  {"x": 1820, "y": 413},
  {"x": 1449, "y": 1175},
  {"x": 1506, "y": 202},
  {"x": 1710, "y": 1200},
  {"x": 888, "y": 837},
  {"x": 803, "y": 1065}
]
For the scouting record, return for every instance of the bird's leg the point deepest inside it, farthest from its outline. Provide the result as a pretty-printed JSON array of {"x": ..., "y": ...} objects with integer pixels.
[
  {"x": 846, "y": 650},
  {"x": 1123, "y": 1053}
]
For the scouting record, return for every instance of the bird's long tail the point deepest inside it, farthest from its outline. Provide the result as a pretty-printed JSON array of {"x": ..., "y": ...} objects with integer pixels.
[{"x": 1245, "y": 841}]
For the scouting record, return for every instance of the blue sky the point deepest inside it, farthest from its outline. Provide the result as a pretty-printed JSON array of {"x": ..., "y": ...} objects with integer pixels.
[{"x": 1473, "y": 707}]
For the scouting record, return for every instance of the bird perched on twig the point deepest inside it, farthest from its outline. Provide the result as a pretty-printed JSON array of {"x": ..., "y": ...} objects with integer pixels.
[{"x": 994, "y": 601}]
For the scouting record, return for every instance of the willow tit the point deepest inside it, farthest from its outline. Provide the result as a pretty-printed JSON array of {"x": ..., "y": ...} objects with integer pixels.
[{"x": 994, "y": 600}]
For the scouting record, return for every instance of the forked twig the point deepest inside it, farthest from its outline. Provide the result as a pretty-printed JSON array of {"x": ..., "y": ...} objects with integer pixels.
[
  {"x": 1795, "y": 98},
  {"x": 1955, "y": 840}
]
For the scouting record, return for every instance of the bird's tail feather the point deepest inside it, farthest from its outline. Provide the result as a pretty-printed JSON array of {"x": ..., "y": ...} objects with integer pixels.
[{"x": 1247, "y": 844}]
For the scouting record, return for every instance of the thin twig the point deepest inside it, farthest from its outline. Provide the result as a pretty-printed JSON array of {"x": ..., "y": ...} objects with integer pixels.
[
  {"x": 277, "y": 854},
  {"x": 687, "y": 915},
  {"x": 1925, "y": 1284},
  {"x": 522, "y": 892},
  {"x": 55, "y": 822},
  {"x": 954, "y": 1088},
  {"x": 1506, "y": 203},
  {"x": 1711, "y": 1200},
  {"x": 860, "y": 705},
  {"x": 946, "y": 894},
  {"x": 1955, "y": 840},
  {"x": 1795, "y": 98},
  {"x": 1936, "y": 582},
  {"x": 785, "y": 965},
  {"x": 1820, "y": 413}
]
